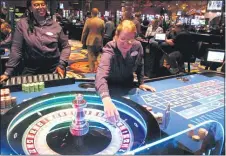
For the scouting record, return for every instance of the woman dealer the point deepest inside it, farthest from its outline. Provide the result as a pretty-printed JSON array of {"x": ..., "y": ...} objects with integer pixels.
[
  {"x": 120, "y": 59},
  {"x": 40, "y": 42}
]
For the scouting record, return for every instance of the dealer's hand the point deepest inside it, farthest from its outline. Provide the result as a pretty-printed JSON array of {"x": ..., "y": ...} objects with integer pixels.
[
  {"x": 3, "y": 78},
  {"x": 146, "y": 88},
  {"x": 60, "y": 71},
  {"x": 110, "y": 110}
]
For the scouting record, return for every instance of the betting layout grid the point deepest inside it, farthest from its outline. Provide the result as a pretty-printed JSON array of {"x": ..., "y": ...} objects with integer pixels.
[{"x": 191, "y": 100}]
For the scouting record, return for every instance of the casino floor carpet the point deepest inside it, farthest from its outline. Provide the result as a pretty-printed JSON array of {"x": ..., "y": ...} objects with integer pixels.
[{"x": 78, "y": 62}]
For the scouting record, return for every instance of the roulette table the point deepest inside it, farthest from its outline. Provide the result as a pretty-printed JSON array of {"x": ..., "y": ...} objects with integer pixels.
[
  {"x": 42, "y": 126},
  {"x": 40, "y": 122}
]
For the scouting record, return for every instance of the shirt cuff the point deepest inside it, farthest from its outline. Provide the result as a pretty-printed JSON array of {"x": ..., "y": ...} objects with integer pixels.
[
  {"x": 9, "y": 72},
  {"x": 104, "y": 94}
]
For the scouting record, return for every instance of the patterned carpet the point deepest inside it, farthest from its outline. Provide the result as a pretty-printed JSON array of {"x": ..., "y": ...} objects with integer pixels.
[{"x": 78, "y": 63}]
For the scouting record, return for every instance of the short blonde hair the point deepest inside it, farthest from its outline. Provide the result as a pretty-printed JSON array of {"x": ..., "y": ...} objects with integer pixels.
[{"x": 126, "y": 25}]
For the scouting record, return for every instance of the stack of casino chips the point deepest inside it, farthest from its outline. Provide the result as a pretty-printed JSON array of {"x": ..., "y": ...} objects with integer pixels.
[
  {"x": 33, "y": 87},
  {"x": 158, "y": 116},
  {"x": 7, "y": 101}
]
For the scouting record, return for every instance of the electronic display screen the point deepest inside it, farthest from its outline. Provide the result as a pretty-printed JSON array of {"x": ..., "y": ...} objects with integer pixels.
[
  {"x": 214, "y": 5},
  {"x": 202, "y": 22},
  {"x": 179, "y": 13},
  {"x": 215, "y": 56},
  {"x": 194, "y": 22},
  {"x": 160, "y": 37}
]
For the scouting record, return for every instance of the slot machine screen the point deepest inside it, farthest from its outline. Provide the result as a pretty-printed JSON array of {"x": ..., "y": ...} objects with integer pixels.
[{"x": 214, "y": 5}]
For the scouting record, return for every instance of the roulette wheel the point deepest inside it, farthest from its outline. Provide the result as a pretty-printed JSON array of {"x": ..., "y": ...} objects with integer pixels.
[{"x": 64, "y": 123}]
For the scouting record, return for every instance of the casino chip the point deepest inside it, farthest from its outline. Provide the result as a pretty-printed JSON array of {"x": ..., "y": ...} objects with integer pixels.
[
  {"x": 7, "y": 101},
  {"x": 184, "y": 79},
  {"x": 195, "y": 138},
  {"x": 191, "y": 132},
  {"x": 33, "y": 87},
  {"x": 202, "y": 133}
]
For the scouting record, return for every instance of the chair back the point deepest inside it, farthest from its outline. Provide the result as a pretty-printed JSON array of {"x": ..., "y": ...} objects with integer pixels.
[{"x": 185, "y": 44}]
